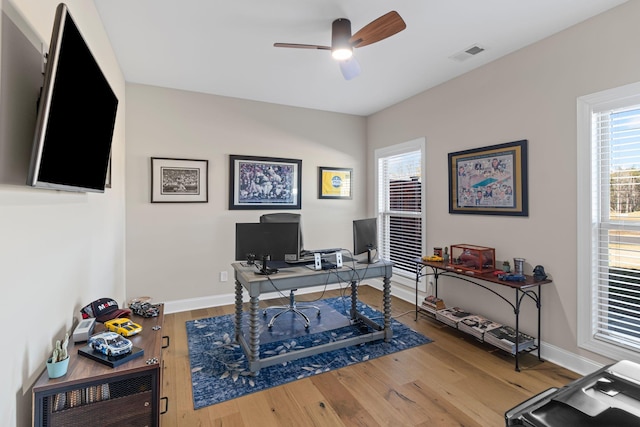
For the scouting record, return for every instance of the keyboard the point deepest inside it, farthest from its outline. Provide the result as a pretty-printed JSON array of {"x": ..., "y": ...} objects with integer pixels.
[
  {"x": 310, "y": 252},
  {"x": 308, "y": 257}
]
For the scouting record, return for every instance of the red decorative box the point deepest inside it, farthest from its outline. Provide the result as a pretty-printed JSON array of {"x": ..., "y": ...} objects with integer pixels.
[{"x": 473, "y": 258}]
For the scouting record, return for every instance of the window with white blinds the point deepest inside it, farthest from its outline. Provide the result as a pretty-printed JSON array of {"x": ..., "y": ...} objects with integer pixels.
[
  {"x": 617, "y": 281},
  {"x": 613, "y": 320},
  {"x": 400, "y": 215}
]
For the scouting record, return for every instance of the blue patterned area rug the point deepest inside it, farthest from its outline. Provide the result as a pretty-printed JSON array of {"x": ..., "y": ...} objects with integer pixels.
[{"x": 219, "y": 369}]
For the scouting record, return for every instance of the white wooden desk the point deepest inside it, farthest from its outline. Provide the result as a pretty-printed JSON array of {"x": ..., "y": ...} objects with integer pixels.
[{"x": 302, "y": 277}]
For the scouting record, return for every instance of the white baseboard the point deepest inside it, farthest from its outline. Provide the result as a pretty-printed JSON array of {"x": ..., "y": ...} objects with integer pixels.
[
  {"x": 557, "y": 355},
  {"x": 226, "y": 299},
  {"x": 568, "y": 360},
  {"x": 197, "y": 303},
  {"x": 553, "y": 354}
]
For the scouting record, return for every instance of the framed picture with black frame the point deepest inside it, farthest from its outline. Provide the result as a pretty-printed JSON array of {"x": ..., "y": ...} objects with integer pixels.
[
  {"x": 179, "y": 180},
  {"x": 334, "y": 183},
  {"x": 264, "y": 183},
  {"x": 490, "y": 180}
]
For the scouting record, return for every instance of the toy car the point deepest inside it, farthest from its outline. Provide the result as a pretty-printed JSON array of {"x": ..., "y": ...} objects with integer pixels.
[
  {"x": 110, "y": 344},
  {"x": 512, "y": 277},
  {"x": 123, "y": 326},
  {"x": 144, "y": 309}
]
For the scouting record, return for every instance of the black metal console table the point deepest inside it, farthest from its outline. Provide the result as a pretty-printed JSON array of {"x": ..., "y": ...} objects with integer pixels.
[{"x": 528, "y": 288}]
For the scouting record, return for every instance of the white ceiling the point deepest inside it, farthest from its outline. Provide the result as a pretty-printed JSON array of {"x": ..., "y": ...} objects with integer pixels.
[{"x": 225, "y": 47}]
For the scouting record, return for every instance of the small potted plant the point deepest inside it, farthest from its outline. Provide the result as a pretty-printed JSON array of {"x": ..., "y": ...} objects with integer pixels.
[
  {"x": 506, "y": 267},
  {"x": 59, "y": 361}
]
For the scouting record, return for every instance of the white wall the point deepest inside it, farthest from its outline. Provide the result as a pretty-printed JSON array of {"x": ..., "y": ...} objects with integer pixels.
[
  {"x": 175, "y": 251},
  {"x": 58, "y": 251},
  {"x": 530, "y": 94}
]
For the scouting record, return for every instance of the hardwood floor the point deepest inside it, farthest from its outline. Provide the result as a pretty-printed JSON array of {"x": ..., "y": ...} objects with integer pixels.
[{"x": 453, "y": 381}]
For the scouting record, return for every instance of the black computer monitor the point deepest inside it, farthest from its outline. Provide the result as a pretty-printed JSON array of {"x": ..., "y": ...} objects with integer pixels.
[
  {"x": 365, "y": 238},
  {"x": 278, "y": 241},
  {"x": 285, "y": 217}
]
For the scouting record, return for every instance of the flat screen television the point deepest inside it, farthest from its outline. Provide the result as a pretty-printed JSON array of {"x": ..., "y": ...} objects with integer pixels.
[
  {"x": 280, "y": 241},
  {"x": 365, "y": 239},
  {"x": 76, "y": 115}
]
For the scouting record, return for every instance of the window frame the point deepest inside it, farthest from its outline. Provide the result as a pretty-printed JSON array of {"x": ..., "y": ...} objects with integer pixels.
[
  {"x": 419, "y": 144},
  {"x": 587, "y": 238}
]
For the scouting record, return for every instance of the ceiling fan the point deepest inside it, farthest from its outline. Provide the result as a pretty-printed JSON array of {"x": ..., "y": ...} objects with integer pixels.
[{"x": 343, "y": 42}]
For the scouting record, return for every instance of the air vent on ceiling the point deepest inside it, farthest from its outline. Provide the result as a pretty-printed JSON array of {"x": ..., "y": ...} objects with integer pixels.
[{"x": 468, "y": 53}]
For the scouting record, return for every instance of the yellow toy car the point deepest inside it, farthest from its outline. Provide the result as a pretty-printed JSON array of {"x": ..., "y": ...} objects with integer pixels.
[{"x": 123, "y": 326}]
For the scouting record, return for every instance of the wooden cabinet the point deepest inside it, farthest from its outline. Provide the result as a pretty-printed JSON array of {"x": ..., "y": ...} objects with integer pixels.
[{"x": 92, "y": 393}]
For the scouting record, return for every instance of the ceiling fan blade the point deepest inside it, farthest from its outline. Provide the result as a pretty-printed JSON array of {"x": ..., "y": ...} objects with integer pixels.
[
  {"x": 350, "y": 68},
  {"x": 302, "y": 46},
  {"x": 385, "y": 26}
]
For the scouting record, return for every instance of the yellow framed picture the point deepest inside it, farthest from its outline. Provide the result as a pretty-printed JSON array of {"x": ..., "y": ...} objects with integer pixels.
[{"x": 334, "y": 183}]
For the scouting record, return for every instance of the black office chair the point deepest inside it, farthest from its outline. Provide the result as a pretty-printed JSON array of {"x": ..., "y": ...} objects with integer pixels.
[{"x": 292, "y": 306}]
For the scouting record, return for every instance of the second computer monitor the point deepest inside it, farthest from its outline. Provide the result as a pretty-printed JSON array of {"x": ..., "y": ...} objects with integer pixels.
[
  {"x": 365, "y": 238},
  {"x": 278, "y": 241}
]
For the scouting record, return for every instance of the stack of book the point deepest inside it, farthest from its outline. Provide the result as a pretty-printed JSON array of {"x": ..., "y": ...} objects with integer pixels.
[
  {"x": 80, "y": 397},
  {"x": 477, "y": 325},
  {"x": 452, "y": 316},
  {"x": 504, "y": 337},
  {"x": 433, "y": 304}
]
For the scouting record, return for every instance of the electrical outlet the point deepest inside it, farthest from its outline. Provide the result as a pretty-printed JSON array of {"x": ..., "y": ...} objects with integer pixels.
[
  {"x": 224, "y": 276},
  {"x": 429, "y": 286},
  {"x": 422, "y": 286}
]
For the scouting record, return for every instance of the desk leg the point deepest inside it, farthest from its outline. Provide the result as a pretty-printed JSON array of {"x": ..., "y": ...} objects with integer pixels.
[
  {"x": 238, "y": 318},
  {"x": 538, "y": 306},
  {"x": 354, "y": 300},
  {"x": 254, "y": 333},
  {"x": 418, "y": 271},
  {"x": 517, "y": 313},
  {"x": 386, "y": 302}
]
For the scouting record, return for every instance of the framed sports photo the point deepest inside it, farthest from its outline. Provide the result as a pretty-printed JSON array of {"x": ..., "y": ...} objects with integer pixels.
[
  {"x": 490, "y": 180},
  {"x": 179, "y": 180},
  {"x": 264, "y": 183}
]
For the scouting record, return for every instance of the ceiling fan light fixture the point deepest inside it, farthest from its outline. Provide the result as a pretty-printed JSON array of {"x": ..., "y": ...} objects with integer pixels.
[
  {"x": 341, "y": 48},
  {"x": 342, "y": 53},
  {"x": 343, "y": 42}
]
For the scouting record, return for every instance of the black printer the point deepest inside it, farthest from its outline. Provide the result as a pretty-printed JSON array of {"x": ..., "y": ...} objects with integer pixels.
[{"x": 609, "y": 397}]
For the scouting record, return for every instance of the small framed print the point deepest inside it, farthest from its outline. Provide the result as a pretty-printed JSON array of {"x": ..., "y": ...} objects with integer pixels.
[
  {"x": 334, "y": 183},
  {"x": 264, "y": 183},
  {"x": 179, "y": 180}
]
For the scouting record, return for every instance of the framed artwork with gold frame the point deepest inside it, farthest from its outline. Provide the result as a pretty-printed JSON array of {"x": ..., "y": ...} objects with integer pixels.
[{"x": 490, "y": 180}]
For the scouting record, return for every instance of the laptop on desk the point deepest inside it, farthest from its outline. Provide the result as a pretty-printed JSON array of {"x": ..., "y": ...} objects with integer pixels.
[
  {"x": 301, "y": 260},
  {"x": 308, "y": 256}
]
